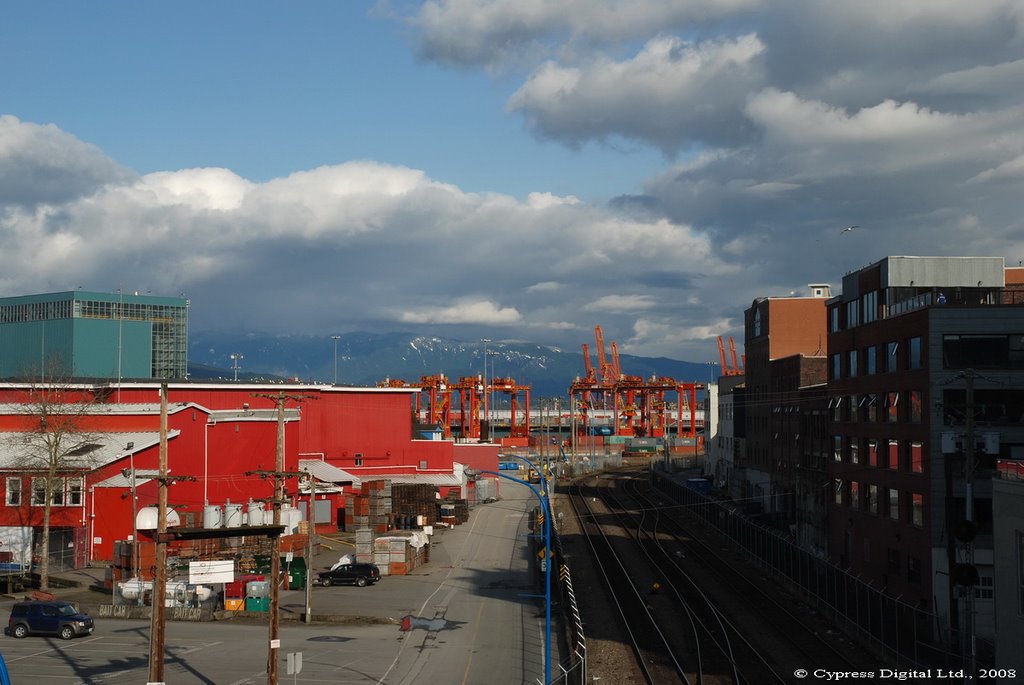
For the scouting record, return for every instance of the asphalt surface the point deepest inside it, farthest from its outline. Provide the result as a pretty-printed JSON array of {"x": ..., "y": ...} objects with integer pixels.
[
  {"x": 331, "y": 604},
  {"x": 470, "y": 615}
]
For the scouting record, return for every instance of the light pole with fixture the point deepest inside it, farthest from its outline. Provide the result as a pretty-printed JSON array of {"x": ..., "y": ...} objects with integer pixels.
[
  {"x": 335, "y": 338},
  {"x": 546, "y": 512},
  {"x": 235, "y": 358},
  {"x": 487, "y": 415}
]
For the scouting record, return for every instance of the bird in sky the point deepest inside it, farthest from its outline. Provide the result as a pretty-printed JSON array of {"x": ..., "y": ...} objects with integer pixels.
[{"x": 848, "y": 229}]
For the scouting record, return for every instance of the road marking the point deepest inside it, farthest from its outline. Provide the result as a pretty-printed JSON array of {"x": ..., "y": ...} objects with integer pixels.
[
  {"x": 46, "y": 651},
  {"x": 476, "y": 630}
]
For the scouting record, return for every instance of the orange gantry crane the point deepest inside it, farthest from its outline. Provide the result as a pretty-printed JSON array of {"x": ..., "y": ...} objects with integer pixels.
[
  {"x": 642, "y": 408},
  {"x": 436, "y": 409},
  {"x": 470, "y": 391},
  {"x": 519, "y": 413},
  {"x": 735, "y": 369}
]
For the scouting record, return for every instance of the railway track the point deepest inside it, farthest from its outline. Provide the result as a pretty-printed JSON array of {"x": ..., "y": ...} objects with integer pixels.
[{"x": 691, "y": 615}]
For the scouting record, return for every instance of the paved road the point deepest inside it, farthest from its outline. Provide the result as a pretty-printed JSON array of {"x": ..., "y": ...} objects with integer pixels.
[{"x": 469, "y": 617}]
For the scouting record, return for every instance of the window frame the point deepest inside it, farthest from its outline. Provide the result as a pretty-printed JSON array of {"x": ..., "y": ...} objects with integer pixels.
[{"x": 18, "y": 491}]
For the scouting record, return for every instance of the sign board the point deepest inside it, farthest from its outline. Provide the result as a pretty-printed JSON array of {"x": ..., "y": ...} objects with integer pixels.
[
  {"x": 206, "y": 572},
  {"x": 288, "y": 557},
  {"x": 294, "y": 663},
  {"x": 275, "y": 644}
]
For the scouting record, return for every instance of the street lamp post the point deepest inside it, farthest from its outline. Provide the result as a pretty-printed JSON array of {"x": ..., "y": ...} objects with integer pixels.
[
  {"x": 335, "y": 338},
  {"x": 546, "y": 509},
  {"x": 235, "y": 358},
  {"x": 487, "y": 415}
]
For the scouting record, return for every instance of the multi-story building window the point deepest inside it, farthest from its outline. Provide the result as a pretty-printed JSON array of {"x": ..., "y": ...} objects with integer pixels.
[
  {"x": 838, "y": 488},
  {"x": 870, "y": 306},
  {"x": 894, "y": 504},
  {"x": 914, "y": 406},
  {"x": 852, "y": 320},
  {"x": 872, "y": 453},
  {"x": 833, "y": 320},
  {"x": 853, "y": 404},
  {"x": 853, "y": 370},
  {"x": 983, "y": 590},
  {"x": 67, "y": 492},
  {"x": 891, "y": 352},
  {"x": 893, "y": 461},
  {"x": 913, "y": 570},
  {"x": 916, "y": 457},
  {"x": 914, "y": 353},
  {"x": 917, "y": 510},
  {"x": 14, "y": 492},
  {"x": 872, "y": 499},
  {"x": 871, "y": 408},
  {"x": 854, "y": 494},
  {"x": 854, "y": 451},
  {"x": 837, "y": 448},
  {"x": 870, "y": 360},
  {"x": 892, "y": 403},
  {"x": 835, "y": 369}
]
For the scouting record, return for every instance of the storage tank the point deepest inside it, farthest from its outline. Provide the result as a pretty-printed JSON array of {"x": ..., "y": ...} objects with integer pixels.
[
  {"x": 256, "y": 514},
  {"x": 290, "y": 519},
  {"x": 232, "y": 515},
  {"x": 213, "y": 517}
]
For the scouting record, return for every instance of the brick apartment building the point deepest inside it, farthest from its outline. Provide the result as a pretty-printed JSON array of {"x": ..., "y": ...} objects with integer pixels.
[
  {"x": 902, "y": 336},
  {"x": 783, "y": 337}
]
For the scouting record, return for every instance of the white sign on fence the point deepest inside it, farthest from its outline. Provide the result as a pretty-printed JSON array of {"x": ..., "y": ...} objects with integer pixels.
[{"x": 205, "y": 572}]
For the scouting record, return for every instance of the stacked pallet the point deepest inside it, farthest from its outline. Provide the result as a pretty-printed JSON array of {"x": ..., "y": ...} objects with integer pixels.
[
  {"x": 460, "y": 507},
  {"x": 398, "y": 555},
  {"x": 412, "y": 501},
  {"x": 364, "y": 545}
]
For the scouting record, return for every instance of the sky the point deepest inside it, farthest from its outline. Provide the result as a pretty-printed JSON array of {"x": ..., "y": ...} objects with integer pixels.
[{"x": 508, "y": 169}]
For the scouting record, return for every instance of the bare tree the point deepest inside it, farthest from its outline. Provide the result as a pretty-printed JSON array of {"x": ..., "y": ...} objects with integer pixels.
[{"x": 53, "y": 446}]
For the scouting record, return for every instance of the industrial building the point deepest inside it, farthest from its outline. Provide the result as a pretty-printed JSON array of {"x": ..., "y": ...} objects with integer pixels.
[
  {"x": 221, "y": 443},
  {"x": 90, "y": 335}
]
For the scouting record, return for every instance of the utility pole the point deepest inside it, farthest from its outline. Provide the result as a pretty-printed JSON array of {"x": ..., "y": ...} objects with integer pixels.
[
  {"x": 156, "y": 630},
  {"x": 279, "y": 475},
  {"x": 309, "y": 549},
  {"x": 158, "y": 615}
]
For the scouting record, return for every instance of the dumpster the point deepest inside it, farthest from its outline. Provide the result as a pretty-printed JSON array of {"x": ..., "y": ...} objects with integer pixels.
[{"x": 296, "y": 572}]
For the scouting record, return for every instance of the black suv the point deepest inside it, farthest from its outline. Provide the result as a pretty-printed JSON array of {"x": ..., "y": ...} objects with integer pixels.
[
  {"x": 48, "y": 618},
  {"x": 358, "y": 574}
]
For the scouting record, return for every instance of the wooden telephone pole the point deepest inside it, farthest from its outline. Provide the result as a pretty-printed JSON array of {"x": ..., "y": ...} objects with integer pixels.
[
  {"x": 159, "y": 601},
  {"x": 279, "y": 475}
]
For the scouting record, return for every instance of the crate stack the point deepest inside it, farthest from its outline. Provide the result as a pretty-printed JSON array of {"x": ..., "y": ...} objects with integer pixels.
[
  {"x": 461, "y": 507},
  {"x": 412, "y": 501},
  {"x": 364, "y": 545},
  {"x": 370, "y": 508},
  {"x": 398, "y": 555}
]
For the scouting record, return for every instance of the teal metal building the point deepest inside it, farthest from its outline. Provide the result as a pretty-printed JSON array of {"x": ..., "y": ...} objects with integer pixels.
[{"x": 81, "y": 334}]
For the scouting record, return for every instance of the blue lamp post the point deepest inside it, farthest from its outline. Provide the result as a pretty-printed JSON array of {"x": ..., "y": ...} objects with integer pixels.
[{"x": 547, "y": 560}]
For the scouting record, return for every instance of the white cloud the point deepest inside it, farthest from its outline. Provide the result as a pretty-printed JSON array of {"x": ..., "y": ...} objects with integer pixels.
[
  {"x": 490, "y": 32},
  {"x": 670, "y": 93},
  {"x": 545, "y": 286},
  {"x": 464, "y": 312},
  {"x": 620, "y": 303}
]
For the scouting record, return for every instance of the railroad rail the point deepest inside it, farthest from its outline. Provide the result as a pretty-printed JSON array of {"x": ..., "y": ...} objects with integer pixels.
[{"x": 693, "y": 615}]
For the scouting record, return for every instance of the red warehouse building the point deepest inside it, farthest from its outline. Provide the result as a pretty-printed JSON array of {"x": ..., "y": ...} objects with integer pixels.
[{"x": 220, "y": 438}]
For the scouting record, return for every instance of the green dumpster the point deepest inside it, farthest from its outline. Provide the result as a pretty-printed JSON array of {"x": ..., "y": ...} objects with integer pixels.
[{"x": 297, "y": 572}]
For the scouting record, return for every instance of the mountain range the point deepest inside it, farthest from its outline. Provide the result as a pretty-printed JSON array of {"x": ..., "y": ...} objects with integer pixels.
[{"x": 365, "y": 359}]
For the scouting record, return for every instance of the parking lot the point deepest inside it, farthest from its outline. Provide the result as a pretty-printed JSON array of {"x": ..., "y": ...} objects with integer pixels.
[{"x": 468, "y": 615}]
